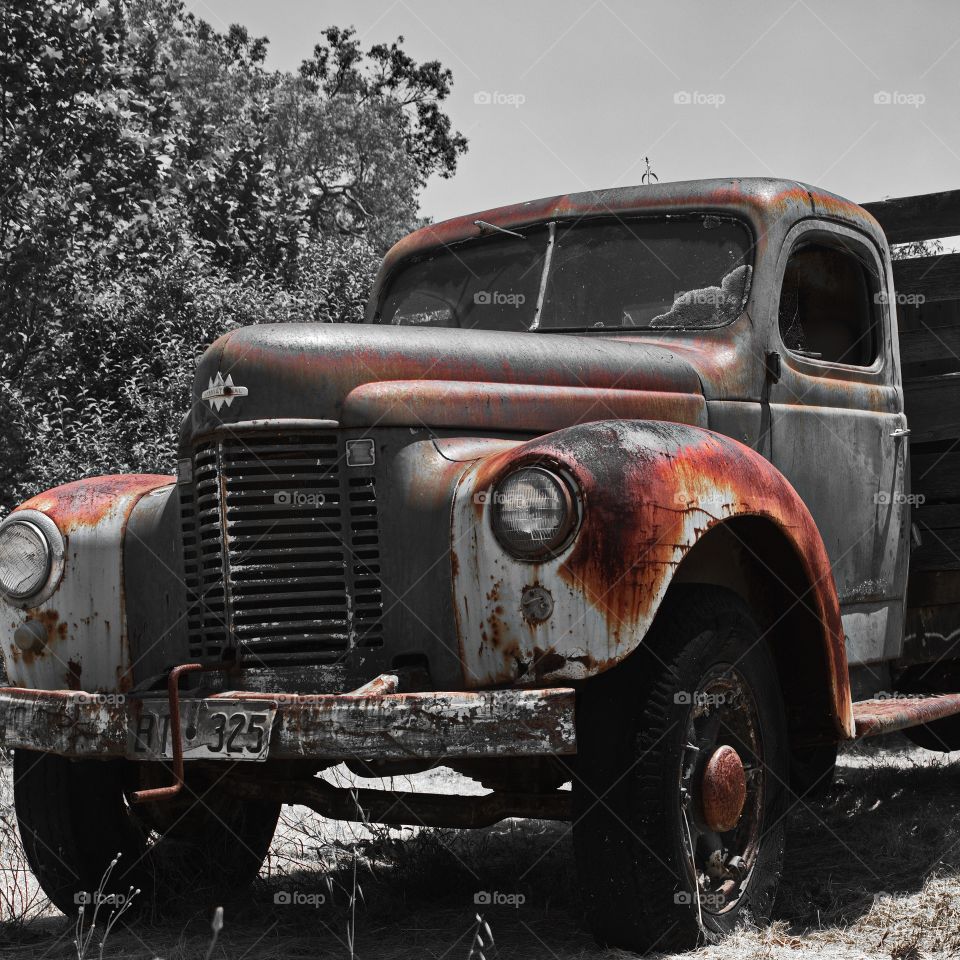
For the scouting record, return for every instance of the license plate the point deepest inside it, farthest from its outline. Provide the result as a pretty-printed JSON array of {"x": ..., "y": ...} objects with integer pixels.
[{"x": 227, "y": 730}]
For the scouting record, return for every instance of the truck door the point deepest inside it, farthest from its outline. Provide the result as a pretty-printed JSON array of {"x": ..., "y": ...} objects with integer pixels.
[{"x": 837, "y": 423}]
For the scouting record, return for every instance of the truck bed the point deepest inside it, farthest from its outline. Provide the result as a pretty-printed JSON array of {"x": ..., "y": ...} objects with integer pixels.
[{"x": 929, "y": 333}]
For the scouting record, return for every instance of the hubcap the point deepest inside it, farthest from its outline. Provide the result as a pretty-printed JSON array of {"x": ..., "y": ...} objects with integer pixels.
[{"x": 722, "y": 789}]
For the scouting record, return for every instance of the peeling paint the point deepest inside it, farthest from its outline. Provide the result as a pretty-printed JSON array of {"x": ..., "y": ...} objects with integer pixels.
[{"x": 650, "y": 491}]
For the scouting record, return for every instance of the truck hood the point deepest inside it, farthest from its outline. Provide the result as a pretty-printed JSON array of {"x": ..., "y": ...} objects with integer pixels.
[{"x": 366, "y": 375}]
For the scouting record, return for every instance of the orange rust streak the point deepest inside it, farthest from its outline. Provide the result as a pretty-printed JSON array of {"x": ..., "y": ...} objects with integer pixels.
[
  {"x": 86, "y": 503},
  {"x": 637, "y": 526}
]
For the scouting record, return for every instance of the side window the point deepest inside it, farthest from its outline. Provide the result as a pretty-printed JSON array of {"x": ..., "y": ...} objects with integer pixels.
[{"x": 828, "y": 306}]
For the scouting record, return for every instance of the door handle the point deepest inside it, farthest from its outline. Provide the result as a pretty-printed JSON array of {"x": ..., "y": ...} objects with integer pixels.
[{"x": 901, "y": 432}]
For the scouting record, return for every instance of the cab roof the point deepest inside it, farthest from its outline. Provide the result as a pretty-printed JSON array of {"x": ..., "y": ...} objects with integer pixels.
[{"x": 762, "y": 201}]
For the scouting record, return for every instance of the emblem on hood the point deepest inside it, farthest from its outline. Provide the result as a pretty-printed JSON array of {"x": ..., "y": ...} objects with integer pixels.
[{"x": 222, "y": 391}]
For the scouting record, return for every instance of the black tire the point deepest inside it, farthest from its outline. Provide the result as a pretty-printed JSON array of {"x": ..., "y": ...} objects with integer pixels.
[
  {"x": 74, "y": 818},
  {"x": 941, "y": 736},
  {"x": 630, "y": 821}
]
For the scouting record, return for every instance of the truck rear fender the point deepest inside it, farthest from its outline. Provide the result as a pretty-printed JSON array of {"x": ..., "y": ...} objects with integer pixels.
[{"x": 659, "y": 502}]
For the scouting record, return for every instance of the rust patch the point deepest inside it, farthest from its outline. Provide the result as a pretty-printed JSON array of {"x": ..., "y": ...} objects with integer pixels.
[
  {"x": 124, "y": 679},
  {"x": 87, "y": 503},
  {"x": 74, "y": 669},
  {"x": 55, "y": 629},
  {"x": 650, "y": 491},
  {"x": 494, "y": 635},
  {"x": 874, "y": 717},
  {"x": 723, "y": 790},
  {"x": 546, "y": 661}
]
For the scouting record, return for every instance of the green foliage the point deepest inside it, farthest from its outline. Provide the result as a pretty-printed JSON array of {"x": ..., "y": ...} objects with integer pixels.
[
  {"x": 159, "y": 186},
  {"x": 916, "y": 248}
]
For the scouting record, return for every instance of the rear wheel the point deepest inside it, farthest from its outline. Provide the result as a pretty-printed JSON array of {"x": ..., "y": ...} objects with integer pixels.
[
  {"x": 682, "y": 780},
  {"x": 74, "y": 818}
]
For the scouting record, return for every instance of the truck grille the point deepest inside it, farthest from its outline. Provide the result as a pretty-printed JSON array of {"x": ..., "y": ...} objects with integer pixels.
[{"x": 281, "y": 551}]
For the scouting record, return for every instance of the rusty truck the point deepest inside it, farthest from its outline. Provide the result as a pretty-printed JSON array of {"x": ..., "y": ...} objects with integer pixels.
[{"x": 652, "y": 491}]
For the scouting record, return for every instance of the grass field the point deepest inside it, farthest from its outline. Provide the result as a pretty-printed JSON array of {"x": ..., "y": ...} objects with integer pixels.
[{"x": 873, "y": 871}]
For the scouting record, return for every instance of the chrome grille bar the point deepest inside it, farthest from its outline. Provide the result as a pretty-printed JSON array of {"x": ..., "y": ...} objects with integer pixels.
[{"x": 281, "y": 551}]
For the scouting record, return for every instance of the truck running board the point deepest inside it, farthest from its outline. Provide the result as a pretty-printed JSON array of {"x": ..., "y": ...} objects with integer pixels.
[{"x": 874, "y": 717}]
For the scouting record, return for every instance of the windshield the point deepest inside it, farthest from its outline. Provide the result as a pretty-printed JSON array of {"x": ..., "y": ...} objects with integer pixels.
[{"x": 667, "y": 273}]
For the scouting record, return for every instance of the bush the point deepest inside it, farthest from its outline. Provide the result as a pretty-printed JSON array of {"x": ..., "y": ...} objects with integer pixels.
[
  {"x": 141, "y": 331},
  {"x": 158, "y": 187}
]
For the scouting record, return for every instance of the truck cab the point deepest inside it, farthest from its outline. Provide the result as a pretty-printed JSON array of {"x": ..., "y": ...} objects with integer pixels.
[{"x": 610, "y": 488}]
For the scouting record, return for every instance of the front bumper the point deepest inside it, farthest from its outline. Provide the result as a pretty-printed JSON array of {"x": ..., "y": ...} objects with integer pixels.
[{"x": 369, "y": 726}]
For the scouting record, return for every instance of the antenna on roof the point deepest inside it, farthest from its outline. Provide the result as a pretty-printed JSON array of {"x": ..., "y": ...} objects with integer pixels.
[{"x": 649, "y": 176}]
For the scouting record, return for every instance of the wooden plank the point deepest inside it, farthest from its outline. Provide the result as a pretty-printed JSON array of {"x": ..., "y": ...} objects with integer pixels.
[
  {"x": 930, "y": 632},
  {"x": 922, "y": 346},
  {"x": 932, "y": 406},
  {"x": 934, "y": 588},
  {"x": 929, "y": 316},
  {"x": 926, "y": 216},
  {"x": 936, "y": 476},
  {"x": 934, "y": 278},
  {"x": 938, "y": 550},
  {"x": 938, "y": 516}
]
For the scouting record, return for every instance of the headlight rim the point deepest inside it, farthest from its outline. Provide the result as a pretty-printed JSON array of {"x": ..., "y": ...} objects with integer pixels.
[
  {"x": 55, "y": 557},
  {"x": 572, "y": 497}
]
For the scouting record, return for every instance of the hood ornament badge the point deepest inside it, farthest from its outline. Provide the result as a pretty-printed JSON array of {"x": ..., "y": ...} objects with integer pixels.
[{"x": 222, "y": 391}]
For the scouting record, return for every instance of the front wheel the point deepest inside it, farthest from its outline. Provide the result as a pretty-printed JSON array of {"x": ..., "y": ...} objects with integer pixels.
[
  {"x": 682, "y": 780},
  {"x": 75, "y": 818}
]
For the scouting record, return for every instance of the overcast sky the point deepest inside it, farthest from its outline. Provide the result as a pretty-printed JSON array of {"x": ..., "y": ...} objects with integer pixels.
[{"x": 558, "y": 96}]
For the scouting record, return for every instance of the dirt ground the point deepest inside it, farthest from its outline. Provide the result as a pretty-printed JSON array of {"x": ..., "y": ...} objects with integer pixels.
[{"x": 872, "y": 871}]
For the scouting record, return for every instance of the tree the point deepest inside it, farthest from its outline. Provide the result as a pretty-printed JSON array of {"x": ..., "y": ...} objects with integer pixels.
[
  {"x": 158, "y": 185},
  {"x": 916, "y": 248}
]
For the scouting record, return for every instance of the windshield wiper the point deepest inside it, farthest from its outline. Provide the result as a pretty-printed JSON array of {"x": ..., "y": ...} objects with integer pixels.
[{"x": 492, "y": 226}]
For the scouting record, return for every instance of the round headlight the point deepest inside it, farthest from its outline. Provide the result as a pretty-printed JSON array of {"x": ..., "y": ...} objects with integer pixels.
[
  {"x": 24, "y": 559},
  {"x": 533, "y": 513}
]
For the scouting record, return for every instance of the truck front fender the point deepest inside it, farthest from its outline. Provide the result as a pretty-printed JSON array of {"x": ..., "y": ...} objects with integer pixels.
[
  {"x": 78, "y": 629},
  {"x": 649, "y": 492}
]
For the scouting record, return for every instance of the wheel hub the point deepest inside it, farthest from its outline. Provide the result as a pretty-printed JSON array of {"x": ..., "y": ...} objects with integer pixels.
[{"x": 723, "y": 789}]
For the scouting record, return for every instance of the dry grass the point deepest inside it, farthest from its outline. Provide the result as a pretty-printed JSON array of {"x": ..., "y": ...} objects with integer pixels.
[{"x": 872, "y": 871}]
